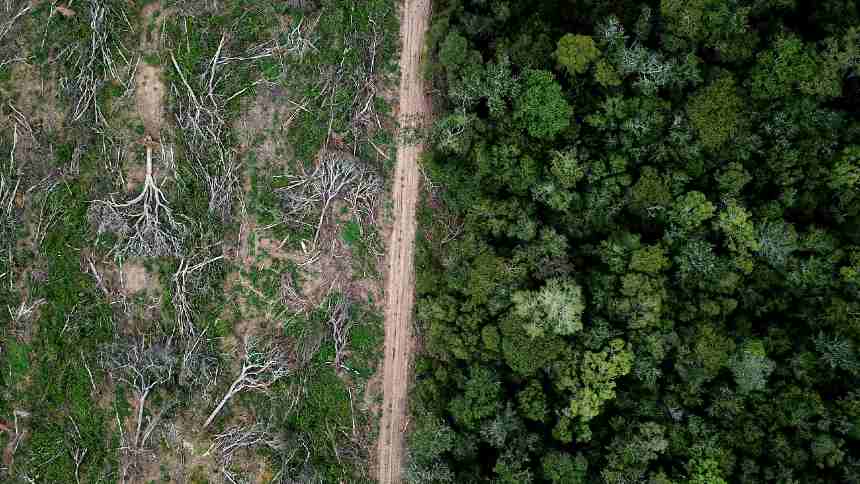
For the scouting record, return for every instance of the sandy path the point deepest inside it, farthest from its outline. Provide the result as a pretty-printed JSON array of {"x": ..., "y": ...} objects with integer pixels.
[
  {"x": 150, "y": 92},
  {"x": 399, "y": 279}
]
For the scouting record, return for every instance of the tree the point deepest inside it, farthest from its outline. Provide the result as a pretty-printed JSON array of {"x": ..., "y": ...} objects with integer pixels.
[
  {"x": 705, "y": 471},
  {"x": 691, "y": 211},
  {"x": 480, "y": 398},
  {"x": 563, "y": 468},
  {"x": 556, "y": 307},
  {"x": 650, "y": 259},
  {"x": 667, "y": 274},
  {"x": 576, "y": 52},
  {"x": 428, "y": 441},
  {"x": 593, "y": 384},
  {"x": 542, "y": 109},
  {"x": 712, "y": 349},
  {"x": 751, "y": 366},
  {"x": 845, "y": 180},
  {"x": 650, "y": 196},
  {"x": 718, "y": 25},
  {"x": 454, "y": 52},
  {"x": 567, "y": 167},
  {"x": 715, "y": 112},
  {"x": 632, "y": 451},
  {"x": 504, "y": 427},
  {"x": 791, "y": 65},
  {"x": 739, "y": 231},
  {"x": 532, "y": 402},
  {"x": 526, "y": 355}
]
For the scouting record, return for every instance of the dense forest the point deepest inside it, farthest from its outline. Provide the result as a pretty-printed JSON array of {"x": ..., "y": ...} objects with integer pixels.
[{"x": 640, "y": 256}]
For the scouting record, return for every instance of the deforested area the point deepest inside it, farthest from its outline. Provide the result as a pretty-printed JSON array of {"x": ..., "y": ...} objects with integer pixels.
[
  {"x": 639, "y": 253},
  {"x": 192, "y": 207}
]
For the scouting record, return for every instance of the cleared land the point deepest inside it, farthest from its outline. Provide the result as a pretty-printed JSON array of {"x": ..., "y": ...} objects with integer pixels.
[{"x": 399, "y": 280}]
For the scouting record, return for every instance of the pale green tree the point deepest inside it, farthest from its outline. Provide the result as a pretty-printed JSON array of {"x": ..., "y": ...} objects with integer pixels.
[{"x": 557, "y": 307}]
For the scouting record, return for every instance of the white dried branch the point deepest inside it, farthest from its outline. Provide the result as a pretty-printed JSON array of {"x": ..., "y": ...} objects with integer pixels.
[
  {"x": 115, "y": 296},
  {"x": 290, "y": 296},
  {"x": 181, "y": 292},
  {"x": 10, "y": 15},
  {"x": 235, "y": 438},
  {"x": 145, "y": 224},
  {"x": 199, "y": 369},
  {"x": 222, "y": 183},
  {"x": 142, "y": 366},
  {"x": 22, "y": 316},
  {"x": 6, "y": 25},
  {"x": 262, "y": 366},
  {"x": 339, "y": 323},
  {"x": 94, "y": 65},
  {"x": 200, "y": 115},
  {"x": 302, "y": 37},
  {"x": 8, "y": 194},
  {"x": 335, "y": 177},
  {"x": 24, "y": 311}
]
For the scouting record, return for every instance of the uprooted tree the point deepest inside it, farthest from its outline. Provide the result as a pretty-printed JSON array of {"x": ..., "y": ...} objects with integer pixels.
[
  {"x": 262, "y": 365},
  {"x": 145, "y": 225},
  {"x": 337, "y": 176},
  {"x": 144, "y": 366},
  {"x": 237, "y": 438}
]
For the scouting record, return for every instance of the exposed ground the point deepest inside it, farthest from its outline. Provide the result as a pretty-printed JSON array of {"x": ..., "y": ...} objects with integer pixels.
[
  {"x": 150, "y": 92},
  {"x": 399, "y": 280}
]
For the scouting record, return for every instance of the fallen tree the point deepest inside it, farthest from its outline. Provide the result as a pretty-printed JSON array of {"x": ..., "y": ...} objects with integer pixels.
[
  {"x": 262, "y": 366},
  {"x": 145, "y": 224}
]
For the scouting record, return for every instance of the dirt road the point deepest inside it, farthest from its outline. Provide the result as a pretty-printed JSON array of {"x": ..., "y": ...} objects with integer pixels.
[{"x": 399, "y": 279}]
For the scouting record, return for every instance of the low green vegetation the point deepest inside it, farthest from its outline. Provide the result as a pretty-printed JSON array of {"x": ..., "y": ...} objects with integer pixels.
[{"x": 165, "y": 316}]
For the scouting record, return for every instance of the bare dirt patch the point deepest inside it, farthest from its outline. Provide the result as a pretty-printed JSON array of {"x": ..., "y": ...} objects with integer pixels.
[
  {"x": 149, "y": 98},
  {"x": 399, "y": 280},
  {"x": 34, "y": 96},
  {"x": 150, "y": 91},
  {"x": 264, "y": 126},
  {"x": 136, "y": 279}
]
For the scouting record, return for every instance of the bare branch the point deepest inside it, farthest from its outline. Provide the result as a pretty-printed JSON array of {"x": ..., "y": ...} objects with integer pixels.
[
  {"x": 145, "y": 224},
  {"x": 339, "y": 323},
  {"x": 335, "y": 177},
  {"x": 262, "y": 366},
  {"x": 200, "y": 115},
  {"x": 237, "y": 438},
  {"x": 22, "y": 317},
  {"x": 143, "y": 367},
  {"x": 9, "y": 21},
  {"x": 181, "y": 292},
  {"x": 94, "y": 64}
]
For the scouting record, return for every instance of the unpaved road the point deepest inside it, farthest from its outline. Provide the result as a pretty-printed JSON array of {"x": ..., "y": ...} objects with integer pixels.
[{"x": 400, "y": 278}]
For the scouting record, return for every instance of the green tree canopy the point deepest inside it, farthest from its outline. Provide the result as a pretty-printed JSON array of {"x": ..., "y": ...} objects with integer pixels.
[
  {"x": 576, "y": 52},
  {"x": 542, "y": 109}
]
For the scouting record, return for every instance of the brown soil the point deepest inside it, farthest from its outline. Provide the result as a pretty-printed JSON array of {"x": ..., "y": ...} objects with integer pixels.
[
  {"x": 150, "y": 92},
  {"x": 136, "y": 279},
  {"x": 399, "y": 280},
  {"x": 136, "y": 174},
  {"x": 36, "y": 97},
  {"x": 264, "y": 126}
]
